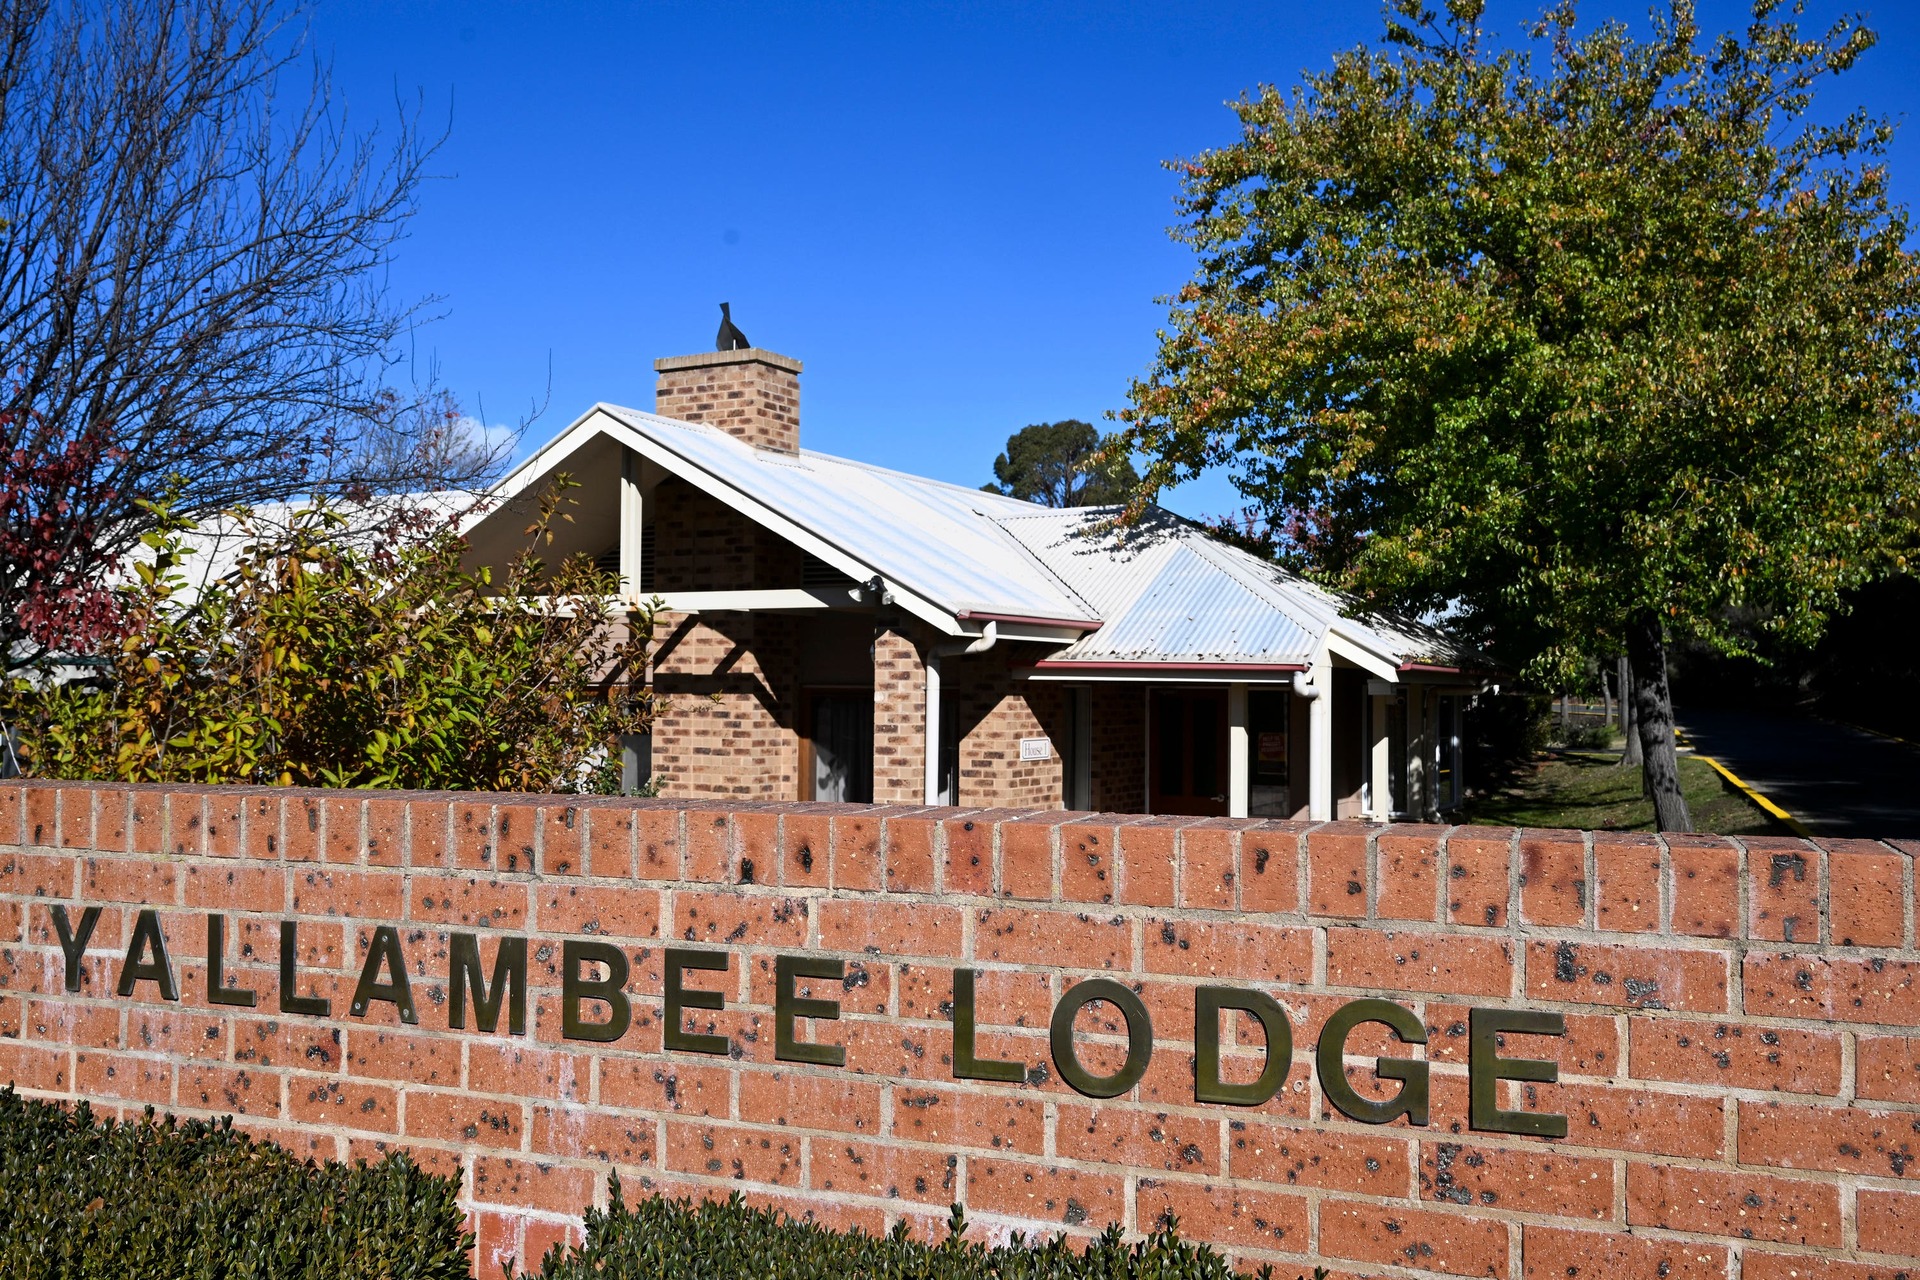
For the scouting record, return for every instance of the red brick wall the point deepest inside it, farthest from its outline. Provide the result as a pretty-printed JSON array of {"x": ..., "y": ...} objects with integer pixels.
[
  {"x": 1740, "y": 1070},
  {"x": 993, "y": 712},
  {"x": 701, "y": 544}
]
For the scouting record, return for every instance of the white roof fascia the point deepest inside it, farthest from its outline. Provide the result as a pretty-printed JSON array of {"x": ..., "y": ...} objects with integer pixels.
[
  {"x": 928, "y": 611},
  {"x": 518, "y": 480},
  {"x": 1357, "y": 652},
  {"x": 1227, "y": 674}
]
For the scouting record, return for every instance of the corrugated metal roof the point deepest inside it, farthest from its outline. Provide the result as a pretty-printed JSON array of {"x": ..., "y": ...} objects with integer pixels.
[
  {"x": 1104, "y": 568},
  {"x": 1169, "y": 593},
  {"x": 939, "y": 540},
  {"x": 1161, "y": 591},
  {"x": 1189, "y": 611}
]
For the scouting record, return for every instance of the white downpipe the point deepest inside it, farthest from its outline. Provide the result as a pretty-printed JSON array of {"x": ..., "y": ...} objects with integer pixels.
[
  {"x": 951, "y": 649},
  {"x": 1239, "y": 798},
  {"x": 633, "y": 527},
  {"x": 1307, "y": 684}
]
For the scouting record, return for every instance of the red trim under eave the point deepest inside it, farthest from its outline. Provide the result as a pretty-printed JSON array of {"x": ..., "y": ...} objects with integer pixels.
[
  {"x": 1048, "y": 664},
  {"x": 1428, "y": 666},
  {"x": 1078, "y": 624}
]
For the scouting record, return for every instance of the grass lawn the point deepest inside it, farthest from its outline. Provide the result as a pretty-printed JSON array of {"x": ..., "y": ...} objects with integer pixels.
[{"x": 1583, "y": 790}]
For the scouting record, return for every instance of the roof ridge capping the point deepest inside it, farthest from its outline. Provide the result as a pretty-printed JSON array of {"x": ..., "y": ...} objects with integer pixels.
[{"x": 1077, "y": 545}]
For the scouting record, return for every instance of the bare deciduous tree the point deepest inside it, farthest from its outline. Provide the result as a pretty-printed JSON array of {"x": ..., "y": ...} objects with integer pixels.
[{"x": 193, "y": 300}]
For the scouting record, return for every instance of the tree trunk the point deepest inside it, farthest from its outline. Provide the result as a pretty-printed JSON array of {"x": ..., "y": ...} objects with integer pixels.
[
  {"x": 1653, "y": 713},
  {"x": 1630, "y": 755}
]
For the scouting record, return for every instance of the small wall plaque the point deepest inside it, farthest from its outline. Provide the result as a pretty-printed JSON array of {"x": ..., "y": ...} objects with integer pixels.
[{"x": 1036, "y": 749}]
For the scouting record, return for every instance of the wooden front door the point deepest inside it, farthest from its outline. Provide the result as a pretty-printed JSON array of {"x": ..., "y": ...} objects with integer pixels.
[{"x": 1187, "y": 752}]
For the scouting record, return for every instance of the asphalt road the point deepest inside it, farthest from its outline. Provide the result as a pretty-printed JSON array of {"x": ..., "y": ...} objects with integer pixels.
[{"x": 1838, "y": 781}]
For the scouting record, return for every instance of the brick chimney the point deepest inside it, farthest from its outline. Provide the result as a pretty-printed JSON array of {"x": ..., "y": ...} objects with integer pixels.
[{"x": 749, "y": 393}]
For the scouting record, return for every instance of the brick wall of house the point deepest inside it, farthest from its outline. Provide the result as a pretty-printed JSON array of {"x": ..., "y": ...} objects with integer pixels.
[
  {"x": 995, "y": 712},
  {"x": 727, "y": 681},
  {"x": 1739, "y": 1071},
  {"x": 1119, "y": 748},
  {"x": 752, "y": 394},
  {"x": 727, "y": 701},
  {"x": 899, "y": 710},
  {"x": 701, "y": 544}
]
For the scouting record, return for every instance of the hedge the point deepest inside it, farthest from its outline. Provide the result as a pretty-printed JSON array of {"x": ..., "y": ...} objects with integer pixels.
[
  {"x": 90, "y": 1198},
  {"x": 85, "y": 1198},
  {"x": 663, "y": 1239}
]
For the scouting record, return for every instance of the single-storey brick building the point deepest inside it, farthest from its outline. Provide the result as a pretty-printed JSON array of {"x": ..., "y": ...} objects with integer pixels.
[{"x": 831, "y": 630}]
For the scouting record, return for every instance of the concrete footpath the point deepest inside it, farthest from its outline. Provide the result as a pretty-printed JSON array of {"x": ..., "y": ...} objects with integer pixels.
[{"x": 1836, "y": 780}]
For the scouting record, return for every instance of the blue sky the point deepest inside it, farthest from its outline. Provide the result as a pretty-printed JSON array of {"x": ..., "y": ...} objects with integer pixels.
[{"x": 954, "y": 214}]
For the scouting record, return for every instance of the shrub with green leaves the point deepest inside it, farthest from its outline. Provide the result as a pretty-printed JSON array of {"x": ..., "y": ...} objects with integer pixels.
[
  {"x": 662, "y": 1239},
  {"x": 336, "y": 656},
  {"x": 94, "y": 1199}
]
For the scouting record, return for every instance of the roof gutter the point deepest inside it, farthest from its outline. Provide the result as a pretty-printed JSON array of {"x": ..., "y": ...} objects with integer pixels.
[
  {"x": 1026, "y": 620},
  {"x": 1057, "y": 664}
]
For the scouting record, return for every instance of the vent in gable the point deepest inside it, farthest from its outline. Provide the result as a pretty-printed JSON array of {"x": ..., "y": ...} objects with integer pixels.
[
  {"x": 815, "y": 572},
  {"x": 608, "y": 561}
]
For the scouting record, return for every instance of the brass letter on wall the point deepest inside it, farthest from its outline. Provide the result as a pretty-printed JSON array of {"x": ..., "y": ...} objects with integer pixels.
[
  {"x": 787, "y": 1006},
  {"x": 383, "y": 951},
  {"x": 147, "y": 957},
  {"x": 218, "y": 992},
  {"x": 509, "y": 981},
  {"x": 291, "y": 1001},
  {"x": 1207, "y": 1085},
  {"x": 1486, "y": 1068},
  {"x": 74, "y": 946},
  {"x": 1139, "y": 1038},
  {"x": 965, "y": 1065},
  {"x": 679, "y": 1000},
  {"x": 1331, "y": 1052},
  {"x": 610, "y": 990}
]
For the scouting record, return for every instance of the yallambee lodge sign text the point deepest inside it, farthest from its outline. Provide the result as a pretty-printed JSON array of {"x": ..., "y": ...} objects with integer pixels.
[{"x": 595, "y": 1008}]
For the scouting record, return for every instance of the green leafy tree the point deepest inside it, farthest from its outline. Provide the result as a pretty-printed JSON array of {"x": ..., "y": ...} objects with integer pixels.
[
  {"x": 328, "y": 657},
  {"x": 1595, "y": 341},
  {"x": 1060, "y": 464}
]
